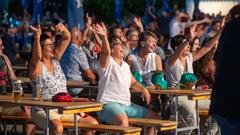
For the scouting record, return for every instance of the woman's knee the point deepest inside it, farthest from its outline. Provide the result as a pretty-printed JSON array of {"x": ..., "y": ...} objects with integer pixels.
[{"x": 121, "y": 119}]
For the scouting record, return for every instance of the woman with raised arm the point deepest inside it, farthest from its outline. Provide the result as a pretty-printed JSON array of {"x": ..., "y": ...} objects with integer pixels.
[
  {"x": 115, "y": 82},
  {"x": 45, "y": 69},
  {"x": 180, "y": 62}
]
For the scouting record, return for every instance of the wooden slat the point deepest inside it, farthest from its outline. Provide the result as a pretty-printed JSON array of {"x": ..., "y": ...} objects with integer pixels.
[
  {"x": 24, "y": 68},
  {"x": 152, "y": 122},
  {"x": 168, "y": 128},
  {"x": 181, "y": 92},
  {"x": 84, "y": 126},
  {"x": 21, "y": 119},
  {"x": 192, "y": 94},
  {"x": 108, "y": 128},
  {"x": 94, "y": 109},
  {"x": 204, "y": 97},
  {"x": 70, "y": 84},
  {"x": 203, "y": 111},
  {"x": 26, "y": 101},
  {"x": 24, "y": 79}
]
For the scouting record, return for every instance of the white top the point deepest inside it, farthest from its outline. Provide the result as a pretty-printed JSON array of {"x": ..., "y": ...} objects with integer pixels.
[
  {"x": 146, "y": 68},
  {"x": 173, "y": 74},
  {"x": 114, "y": 83}
]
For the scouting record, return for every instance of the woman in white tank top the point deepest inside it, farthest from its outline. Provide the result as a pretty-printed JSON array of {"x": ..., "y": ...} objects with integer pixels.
[{"x": 143, "y": 60}]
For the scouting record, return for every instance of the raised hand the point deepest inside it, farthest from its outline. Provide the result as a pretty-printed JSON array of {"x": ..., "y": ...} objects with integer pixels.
[
  {"x": 193, "y": 32},
  {"x": 59, "y": 27},
  {"x": 89, "y": 23},
  {"x": 89, "y": 20},
  {"x": 101, "y": 29},
  {"x": 138, "y": 22},
  {"x": 37, "y": 31}
]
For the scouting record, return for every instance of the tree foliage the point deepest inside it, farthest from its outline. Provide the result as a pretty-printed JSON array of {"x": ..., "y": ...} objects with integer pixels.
[{"x": 104, "y": 9}]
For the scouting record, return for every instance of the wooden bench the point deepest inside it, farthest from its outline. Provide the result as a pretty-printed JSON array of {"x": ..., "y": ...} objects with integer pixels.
[
  {"x": 160, "y": 125},
  {"x": 83, "y": 126},
  {"x": 15, "y": 120},
  {"x": 105, "y": 128},
  {"x": 203, "y": 111}
]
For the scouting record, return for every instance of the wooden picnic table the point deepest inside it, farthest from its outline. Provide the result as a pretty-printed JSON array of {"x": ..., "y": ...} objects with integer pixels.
[
  {"x": 63, "y": 107},
  {"x": 192, "y": 95}
]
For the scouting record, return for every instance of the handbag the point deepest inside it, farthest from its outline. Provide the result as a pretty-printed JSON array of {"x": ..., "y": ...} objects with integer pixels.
[{"x": 62, "y": 97}]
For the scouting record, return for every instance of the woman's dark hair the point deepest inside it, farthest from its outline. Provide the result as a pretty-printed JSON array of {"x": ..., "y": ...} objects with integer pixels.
[
  {"x": 43, "y": 37},
  {"x": 235, "y": 11},
  {"x": 177, "y": 40},
  {"x": 191, "y": 43},
  {"x": 114, "y": 41},
  {"x": 112, "y": 28}
]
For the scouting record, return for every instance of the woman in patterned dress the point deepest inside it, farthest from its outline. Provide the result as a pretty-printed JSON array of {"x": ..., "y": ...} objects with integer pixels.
[{"x": 44, "y": 69}]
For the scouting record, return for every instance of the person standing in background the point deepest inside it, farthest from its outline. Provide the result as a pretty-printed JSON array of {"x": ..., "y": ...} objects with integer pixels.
[
  {"x": 224, "y": 105},
  {"x": 10, "y": 44}
]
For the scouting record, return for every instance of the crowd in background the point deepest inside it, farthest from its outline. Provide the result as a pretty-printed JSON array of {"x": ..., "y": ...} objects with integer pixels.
[{"x": 170, "y": 42}]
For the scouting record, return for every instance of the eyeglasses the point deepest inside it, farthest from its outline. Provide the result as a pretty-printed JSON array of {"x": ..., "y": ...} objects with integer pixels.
[
  {"x": 114, "y": 44},
  {"x": 49, "y": 45}
]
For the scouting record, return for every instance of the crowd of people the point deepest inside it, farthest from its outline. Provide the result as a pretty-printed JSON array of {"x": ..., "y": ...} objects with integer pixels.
[{"x": 106, "y": 55}]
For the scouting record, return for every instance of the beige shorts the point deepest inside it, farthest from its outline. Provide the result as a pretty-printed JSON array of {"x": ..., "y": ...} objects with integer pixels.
[
  {"x": 10, "y": 110},
  {"x": 39, "y": 117}
]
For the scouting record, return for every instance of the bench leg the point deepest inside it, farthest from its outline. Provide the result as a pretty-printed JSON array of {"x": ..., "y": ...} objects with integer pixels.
[
  {"x": 176, "y": 113},
  {"x": 75, "y": 124},
  {"x": 210, "y": 125},
  {"x": 197, "y": 117}
]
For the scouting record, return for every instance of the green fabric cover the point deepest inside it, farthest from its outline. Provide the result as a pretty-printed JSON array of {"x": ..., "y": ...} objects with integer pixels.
[
  {"x": 187, "y": 80},
  {"x": 137, "y": 76},
  {"x": 188, "y": 77},
  {"x": 158, "y": 79}
]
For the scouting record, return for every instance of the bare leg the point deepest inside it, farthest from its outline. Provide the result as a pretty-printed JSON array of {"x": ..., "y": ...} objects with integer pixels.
[
  {"x": 151, "y": 115},
  {"x": 29, "y": 129},
  {"x": 121, "y": 119},
  {"x": 88, "y": 119},
  {"x": 57, "y": 124}
]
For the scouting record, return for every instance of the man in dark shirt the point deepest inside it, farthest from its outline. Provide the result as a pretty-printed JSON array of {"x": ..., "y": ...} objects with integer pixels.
[
  {"x": 224, "y": 101},
  {"x": 10, "y": 48}
]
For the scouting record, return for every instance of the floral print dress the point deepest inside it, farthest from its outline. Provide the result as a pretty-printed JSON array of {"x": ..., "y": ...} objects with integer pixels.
[
  {"x": 52, "y": 83},
  {"x": 4, "y": 78}
]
